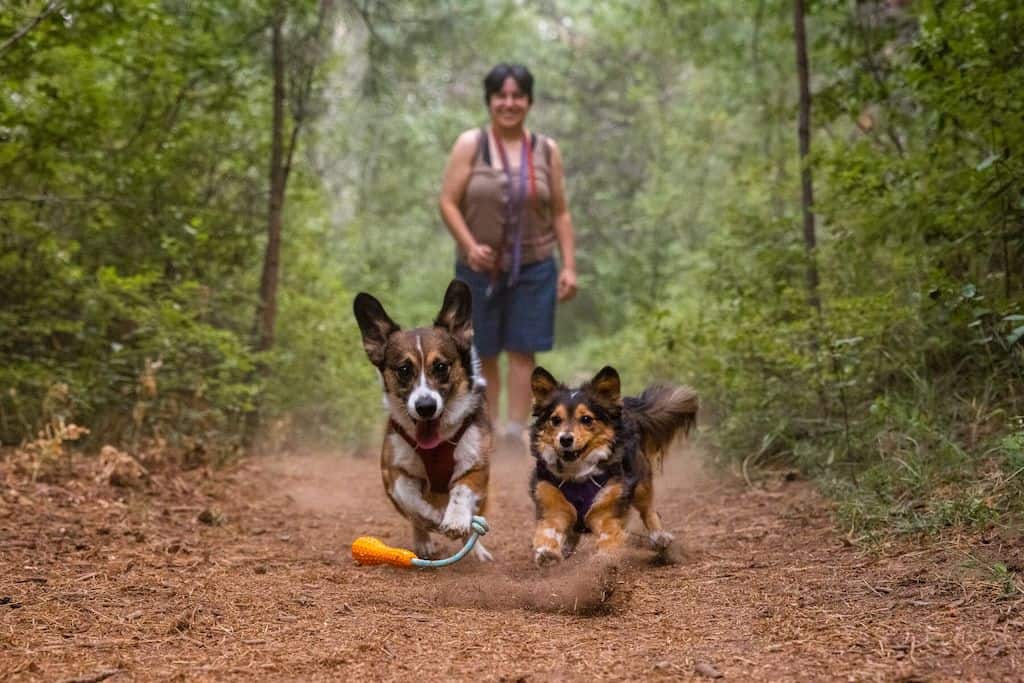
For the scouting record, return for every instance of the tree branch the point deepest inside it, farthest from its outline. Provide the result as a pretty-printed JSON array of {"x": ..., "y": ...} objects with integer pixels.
[
  {"x": 50, "y": 8},
  {"x": 306, "y": 88}
]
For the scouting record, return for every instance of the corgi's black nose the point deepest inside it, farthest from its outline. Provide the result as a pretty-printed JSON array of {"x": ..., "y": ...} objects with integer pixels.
[
  {"x": 426, "y": 407},
  {"x": 565, "y": 440}
]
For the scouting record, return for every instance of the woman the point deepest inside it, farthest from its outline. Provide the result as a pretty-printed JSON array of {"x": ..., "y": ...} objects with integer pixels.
[{"x": 503, "y": 200}]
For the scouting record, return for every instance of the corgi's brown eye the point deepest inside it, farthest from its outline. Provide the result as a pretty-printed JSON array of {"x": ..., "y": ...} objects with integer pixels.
[
  {"x": 556, "y": 420},
  {"x": 404, "y": 371},
  {"x": 440, "y": 369},
  {"x": 587, "y": 420}
]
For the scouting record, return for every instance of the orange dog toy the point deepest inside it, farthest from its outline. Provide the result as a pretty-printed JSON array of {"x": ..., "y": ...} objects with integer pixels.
[{"x": 369, "y": 550}]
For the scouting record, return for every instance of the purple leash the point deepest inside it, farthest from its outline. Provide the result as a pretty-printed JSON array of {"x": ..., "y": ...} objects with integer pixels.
[{"x": 513, "y": 218}]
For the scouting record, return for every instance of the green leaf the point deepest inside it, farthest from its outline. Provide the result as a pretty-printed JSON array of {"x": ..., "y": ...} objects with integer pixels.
[
  {"x": 849, "y": 341},
  {"x": 1015, "y": 335},
  {"x": 987, "y": 161}
]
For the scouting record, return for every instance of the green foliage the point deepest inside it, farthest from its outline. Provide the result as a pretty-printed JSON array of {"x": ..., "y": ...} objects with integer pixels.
[
  {"x": 130, "y": 161},
  {"x": 135, "y": 360},
  {"x": 320, "y": 383}
]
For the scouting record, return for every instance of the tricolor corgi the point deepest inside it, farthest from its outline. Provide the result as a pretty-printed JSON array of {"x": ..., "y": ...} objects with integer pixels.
[
  {"x": 435, "y": 457},
  {"x": 596, "y": 453}
]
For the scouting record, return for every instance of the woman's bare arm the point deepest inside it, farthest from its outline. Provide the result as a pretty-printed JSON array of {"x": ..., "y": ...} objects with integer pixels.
[
  {"x": 563, "y": 226},
  {"x": 453, "y": 186}
]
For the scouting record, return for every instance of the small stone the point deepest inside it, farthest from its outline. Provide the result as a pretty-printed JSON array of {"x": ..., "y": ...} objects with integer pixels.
[
  {"x": 210, "y": 518},
  {"x": 706, "y": 670}
]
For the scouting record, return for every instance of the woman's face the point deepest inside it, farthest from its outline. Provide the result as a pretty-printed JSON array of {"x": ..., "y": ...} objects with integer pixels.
[{"x": 508, "y": 106}]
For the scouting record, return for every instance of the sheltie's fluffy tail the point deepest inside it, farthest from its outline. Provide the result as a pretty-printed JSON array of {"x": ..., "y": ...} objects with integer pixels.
[{"x": 660, "y": 412}]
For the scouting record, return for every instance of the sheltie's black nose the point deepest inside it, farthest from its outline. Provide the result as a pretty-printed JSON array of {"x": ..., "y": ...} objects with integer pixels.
[
  {"x": 426, "y": 407},
  {"x": 565, "y": 440}
]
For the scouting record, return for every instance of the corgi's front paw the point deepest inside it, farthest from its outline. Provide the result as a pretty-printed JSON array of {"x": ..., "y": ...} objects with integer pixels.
[
  {"x": 544, "y": 557},
  {"x": 661, "y": 539},
  {"x": 481, "y": 554},
  {"x": 456, "y": 524},
  {"x": 426, "y": 549}
]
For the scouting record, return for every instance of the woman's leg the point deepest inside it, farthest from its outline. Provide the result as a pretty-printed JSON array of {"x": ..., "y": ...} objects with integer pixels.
[
  {"x": 487, "y": 331},
  {"x": 520, "y": 367},
  {"x": 529, "y": 328},
  {"x": 489, "y": 366}
]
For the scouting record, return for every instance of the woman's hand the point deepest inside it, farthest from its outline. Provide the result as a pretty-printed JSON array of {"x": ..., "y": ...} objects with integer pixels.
[
  {"x": 480, "y": 258},
  {"x": 566, "y": 284},
  {"x": 562, "y": 222},
  {"x": 453, "y": 187}
]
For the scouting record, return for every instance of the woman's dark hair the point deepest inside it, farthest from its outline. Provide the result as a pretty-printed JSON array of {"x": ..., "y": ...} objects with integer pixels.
[{"x": 499, "y": 74}]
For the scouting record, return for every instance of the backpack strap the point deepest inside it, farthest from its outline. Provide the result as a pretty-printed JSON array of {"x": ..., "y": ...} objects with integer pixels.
[
  {"x": 543, "y": 141},
  {"x": 484, "y": 146},
  {"x": 483, "y": 150}
]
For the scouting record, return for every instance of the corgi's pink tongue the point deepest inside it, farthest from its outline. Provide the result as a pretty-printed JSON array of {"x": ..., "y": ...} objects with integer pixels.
[{"x": 428, "y": 433}]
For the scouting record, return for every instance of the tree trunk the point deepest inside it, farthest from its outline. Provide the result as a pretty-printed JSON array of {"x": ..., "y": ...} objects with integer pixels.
[
  {"x": 804, "y": 131},
  {"x": 267, "y": 308},
  {"x": 281, "y": 160}
]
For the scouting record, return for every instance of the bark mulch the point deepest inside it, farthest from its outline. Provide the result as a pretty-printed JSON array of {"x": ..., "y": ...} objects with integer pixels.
[{"x": 243, "y": 573}]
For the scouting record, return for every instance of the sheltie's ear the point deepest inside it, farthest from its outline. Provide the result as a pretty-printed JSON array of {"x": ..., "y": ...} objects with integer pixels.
[
  {"x": 542, "y": 384},
  {"x": 375, "y": 324},
  {"x": 606, "y": 384},
  {"x": 456, "y": 313}
]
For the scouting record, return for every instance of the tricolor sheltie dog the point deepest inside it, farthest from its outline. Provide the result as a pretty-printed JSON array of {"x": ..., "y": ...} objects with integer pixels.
[
  {"x": 437, "y": 445},
  {"x": 595, "y": 453}
]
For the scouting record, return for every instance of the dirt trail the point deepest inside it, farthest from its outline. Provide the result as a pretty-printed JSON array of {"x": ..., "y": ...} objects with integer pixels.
[{"x": 95, "y": 580}]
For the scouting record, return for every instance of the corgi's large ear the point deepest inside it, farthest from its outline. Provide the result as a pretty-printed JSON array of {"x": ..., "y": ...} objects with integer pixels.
[
  {"x": 456, "y": 313},
  {"x": 606, "y": 384},
  {"x": 375, "y": 325},
  {"x": 542, "y": 384}
]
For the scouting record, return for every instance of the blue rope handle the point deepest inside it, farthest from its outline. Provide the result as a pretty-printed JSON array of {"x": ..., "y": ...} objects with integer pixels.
[{"x": 479, "y": 526}]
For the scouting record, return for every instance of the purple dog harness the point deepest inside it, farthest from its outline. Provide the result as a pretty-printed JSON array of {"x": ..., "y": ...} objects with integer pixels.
[{"x": 580, "y": 494}]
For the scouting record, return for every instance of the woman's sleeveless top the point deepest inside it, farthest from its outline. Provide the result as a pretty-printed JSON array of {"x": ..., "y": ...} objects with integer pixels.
[{"x": 483, "y": 204}]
